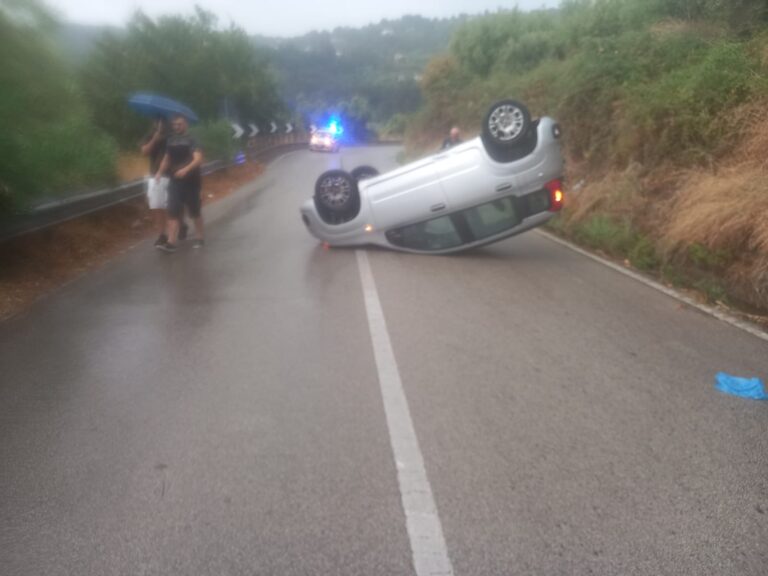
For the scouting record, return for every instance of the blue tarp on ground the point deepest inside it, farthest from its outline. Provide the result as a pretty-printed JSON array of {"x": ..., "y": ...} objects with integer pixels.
[{"x": 751, "y": 388}]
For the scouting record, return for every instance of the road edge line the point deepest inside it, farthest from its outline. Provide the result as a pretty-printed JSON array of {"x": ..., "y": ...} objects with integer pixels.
[
  {"x": 425, "y": 532},
  {"x": 671, "y": 292}
]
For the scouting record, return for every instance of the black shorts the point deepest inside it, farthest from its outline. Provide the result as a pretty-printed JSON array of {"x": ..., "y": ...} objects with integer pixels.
[{"x": 183, "y": 193}]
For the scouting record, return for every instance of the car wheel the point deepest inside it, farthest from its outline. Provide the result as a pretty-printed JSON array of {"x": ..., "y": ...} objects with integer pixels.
[
  {"x": 364, "y": 172},
  {"x": 336, "y": 192},
  {"x": 506, "y": 124}
]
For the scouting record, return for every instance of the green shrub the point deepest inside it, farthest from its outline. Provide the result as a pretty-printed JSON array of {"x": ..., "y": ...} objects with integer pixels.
[
  {"x": 671, "y": 274},
  {"x": 618, "y": 239},
  {"x": 189, "y": 58},
  {"x": 51, "y": 159},
  {"x": 713, "y": 289},
  {"x": 685, "y": 113},
  {"x": 707, "y": 259},
  {"x": 216, "y": 140},
  {"x": 396, "y": 126},
  {"x": 602, "y": 232},
  {"x": 643, "y": 255},
  {"x": 71, "y": 155},
  {"x": 48, "y": 143},
  {"x": 629, "y": 80}
]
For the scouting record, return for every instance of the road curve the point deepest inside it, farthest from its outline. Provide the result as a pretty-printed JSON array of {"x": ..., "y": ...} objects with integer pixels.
[{"x": 234, "y": 411}]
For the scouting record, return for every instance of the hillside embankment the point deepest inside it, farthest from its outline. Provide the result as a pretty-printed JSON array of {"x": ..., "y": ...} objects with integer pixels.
[{"x": 665, "y": 130}]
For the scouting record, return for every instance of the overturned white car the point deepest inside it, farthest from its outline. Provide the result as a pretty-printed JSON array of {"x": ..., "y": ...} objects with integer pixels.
[{"x": 502, "y": 183}]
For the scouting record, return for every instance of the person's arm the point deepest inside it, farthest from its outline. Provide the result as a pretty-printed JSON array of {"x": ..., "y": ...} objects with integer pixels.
[
  {"x": 163, "y": 166},
  {"x": 146, "y": 149},
  {"x": 197, "y": 160}
]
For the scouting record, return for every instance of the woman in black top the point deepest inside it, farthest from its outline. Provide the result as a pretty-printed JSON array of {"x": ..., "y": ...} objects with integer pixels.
[{"x": 153, "y": 147}]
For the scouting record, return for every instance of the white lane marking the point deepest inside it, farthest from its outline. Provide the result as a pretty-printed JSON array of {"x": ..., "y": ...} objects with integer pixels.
[
  {"x": 710, "y": 310},
  {"x": 430, "y": 554}
]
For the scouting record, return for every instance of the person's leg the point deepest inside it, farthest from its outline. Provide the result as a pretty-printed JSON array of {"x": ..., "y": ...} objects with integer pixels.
[
  {"x": 157, "y": 200},
  {"x": 183, "y": 228},
  {"x": 175, "y": 211},
  {"x": 173, "y": 230},
  {"x": 159, "y": 218},
  {"x": 199, "y": 228},
  {"x": 195, "y": 209}
]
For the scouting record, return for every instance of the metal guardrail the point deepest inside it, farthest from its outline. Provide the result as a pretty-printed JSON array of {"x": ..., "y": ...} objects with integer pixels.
[{"x": 53, "y": 213}]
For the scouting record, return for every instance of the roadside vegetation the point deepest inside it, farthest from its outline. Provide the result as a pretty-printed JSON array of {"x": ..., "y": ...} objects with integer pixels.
[
  {"x": 48, "y": 140},
  {"x": 216, "y": 71},
  {"x": 367, "y": 74},
  {"x": 66, "y": 124},
  {"x": 67, "y": 128},
  {"x": 663, "y": 108}
]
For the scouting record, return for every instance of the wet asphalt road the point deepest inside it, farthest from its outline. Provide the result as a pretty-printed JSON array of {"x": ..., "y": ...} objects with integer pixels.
[{"x": 219, "y": 413}]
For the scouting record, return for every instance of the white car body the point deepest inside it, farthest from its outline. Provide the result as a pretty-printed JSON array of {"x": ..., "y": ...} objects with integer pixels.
[{"x": 404, "y": 209}]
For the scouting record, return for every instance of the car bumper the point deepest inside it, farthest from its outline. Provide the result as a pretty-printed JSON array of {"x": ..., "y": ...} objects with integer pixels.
[{"x": 323, "y": 147}]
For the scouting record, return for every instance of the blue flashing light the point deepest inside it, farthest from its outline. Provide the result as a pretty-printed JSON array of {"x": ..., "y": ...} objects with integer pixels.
[{"x": 335, "y": 128}]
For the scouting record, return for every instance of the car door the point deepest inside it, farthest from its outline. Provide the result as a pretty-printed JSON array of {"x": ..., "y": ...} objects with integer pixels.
[
  {"x": 465, "y": 176},
  {"x": 413, "y": 192}
]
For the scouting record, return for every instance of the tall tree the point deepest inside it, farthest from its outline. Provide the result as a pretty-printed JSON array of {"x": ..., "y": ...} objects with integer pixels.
[
  {"x": 215, "y": 71},
  {"x": 48, "y": 143}
]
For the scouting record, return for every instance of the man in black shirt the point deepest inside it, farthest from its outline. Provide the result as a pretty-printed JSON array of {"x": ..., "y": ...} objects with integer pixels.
[
  {"x": 182, "y": 162},
  {"x": 453, "y": 139}
]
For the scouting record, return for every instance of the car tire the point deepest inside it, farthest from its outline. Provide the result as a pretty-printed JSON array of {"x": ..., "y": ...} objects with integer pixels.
[
  {"x": 506, "y": 124},
  {"x": 364, "y": 172},
  {"x": 336, "y": 196}
]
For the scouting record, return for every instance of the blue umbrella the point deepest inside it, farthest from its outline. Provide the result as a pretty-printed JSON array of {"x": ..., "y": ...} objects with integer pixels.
[{"x": 156, "y": 106}]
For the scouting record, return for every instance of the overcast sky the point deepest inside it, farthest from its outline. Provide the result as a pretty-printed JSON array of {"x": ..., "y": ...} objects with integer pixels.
[{"x": 283, "y": 17}]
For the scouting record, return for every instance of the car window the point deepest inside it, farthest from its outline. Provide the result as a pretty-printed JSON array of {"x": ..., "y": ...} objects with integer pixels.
[
  {"x": 537, "y": 202},
  {"x": 435, "y": 234},
  {"x": 492, "y": 218}
]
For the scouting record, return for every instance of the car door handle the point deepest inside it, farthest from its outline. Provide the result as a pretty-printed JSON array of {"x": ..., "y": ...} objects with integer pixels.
[
  {"x": 504, "y": 187},
  {"x": 437, "y": 207}
]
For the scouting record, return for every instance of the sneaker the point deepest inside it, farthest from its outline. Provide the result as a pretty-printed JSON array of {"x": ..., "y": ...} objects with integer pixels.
[
  {"x": 183, "y": 230},
  {"x": 162, "y": 239},
  {"x": 167, "y": 247},
  {"x": 199, "y": 243}
]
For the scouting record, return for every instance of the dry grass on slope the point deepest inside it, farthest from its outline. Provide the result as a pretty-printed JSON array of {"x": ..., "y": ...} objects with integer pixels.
[
  {"x": 705, "y": 227},
  {"x": 726, "y": 212}
]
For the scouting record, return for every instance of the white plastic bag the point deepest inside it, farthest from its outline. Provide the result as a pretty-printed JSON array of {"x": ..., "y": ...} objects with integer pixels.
[{"x": 157, "y": 193}]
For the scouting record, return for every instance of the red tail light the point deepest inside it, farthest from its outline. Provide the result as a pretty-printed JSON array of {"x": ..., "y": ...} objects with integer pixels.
[{"x": 556, "y": 195}]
